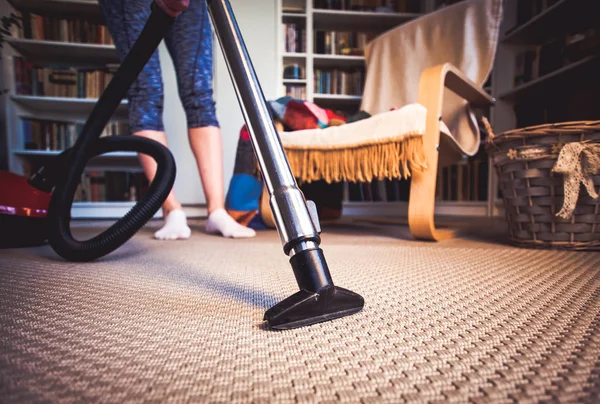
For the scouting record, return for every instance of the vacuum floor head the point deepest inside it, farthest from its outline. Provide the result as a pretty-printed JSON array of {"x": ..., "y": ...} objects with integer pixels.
[{"x": 306, "y": 308}]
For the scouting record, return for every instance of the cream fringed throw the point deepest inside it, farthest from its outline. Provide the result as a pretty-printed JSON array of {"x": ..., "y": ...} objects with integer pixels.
[{"x": 384, "y": 146}]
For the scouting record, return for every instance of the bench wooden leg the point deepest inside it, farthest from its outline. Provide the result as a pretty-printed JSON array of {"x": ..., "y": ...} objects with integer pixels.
[{"x": 421, "y": 205}]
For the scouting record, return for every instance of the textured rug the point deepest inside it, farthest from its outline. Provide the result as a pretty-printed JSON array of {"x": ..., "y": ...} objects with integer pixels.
[{"x": 470, "y": 319}]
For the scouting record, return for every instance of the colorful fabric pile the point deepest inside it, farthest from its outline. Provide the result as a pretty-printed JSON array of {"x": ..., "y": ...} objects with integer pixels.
[
  {"x": 243, "y": 198},
  {"x": 246, "y": 186},
  {"x": 297, "y": 114}
]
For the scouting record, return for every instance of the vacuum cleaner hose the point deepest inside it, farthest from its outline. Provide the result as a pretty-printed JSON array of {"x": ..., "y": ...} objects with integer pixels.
[
  {"x": 64, "y": 175},
  {"x": 59, "y": 212}
]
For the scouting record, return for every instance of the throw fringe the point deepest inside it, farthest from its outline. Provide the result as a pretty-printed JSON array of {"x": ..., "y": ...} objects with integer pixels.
[{"x": 393, "y": 158}]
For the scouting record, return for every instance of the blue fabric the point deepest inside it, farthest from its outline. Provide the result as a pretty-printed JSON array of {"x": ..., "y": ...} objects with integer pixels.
[
  {"x": 257, "y": 223},
  {"x": 278, "y": 106},
  {"x": 189, "y": 43},
  {"x": 244, "y": 193}
]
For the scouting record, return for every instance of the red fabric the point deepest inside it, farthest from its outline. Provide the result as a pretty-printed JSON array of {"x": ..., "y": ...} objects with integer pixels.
[
  {"x": 299, "y": 116},
  {"x": 173, "y": 7},
  {"x": 334, "y": 117},
  {"x": 244, "y": 134}
]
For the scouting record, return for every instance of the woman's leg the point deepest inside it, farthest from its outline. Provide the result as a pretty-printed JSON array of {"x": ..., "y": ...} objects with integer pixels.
[
  {"x": 190, "y": 45},
  {"x": 125, "y": 20}
]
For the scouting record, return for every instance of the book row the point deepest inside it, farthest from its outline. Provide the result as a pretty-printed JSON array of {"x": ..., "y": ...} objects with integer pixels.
[
  {"x": 111, "y": 186},
  {"x": 33, "y": 26},
  {"x": 295, "y": 91},
  {"x": 341, "y": 42},
  {"x": 59, "y": 81},
  {"x": 295, "y": 38},
  {"x": 560, "y": 51},
  {"x": 336, "y": 81},
  {"x": 326, "y": 42},
  {"x": 57, "y": 136}
]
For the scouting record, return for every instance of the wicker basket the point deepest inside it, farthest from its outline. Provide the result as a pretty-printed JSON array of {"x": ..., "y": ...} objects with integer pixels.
[{"x": 534, "y": 192}]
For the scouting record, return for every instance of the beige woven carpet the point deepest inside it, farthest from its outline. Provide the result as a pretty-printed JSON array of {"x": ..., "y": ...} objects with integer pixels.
[{"x": 465, "y": 320}]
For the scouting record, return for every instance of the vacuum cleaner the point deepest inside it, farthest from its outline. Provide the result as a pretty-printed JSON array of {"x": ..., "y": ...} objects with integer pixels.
[{"x": 297, "y": 223}]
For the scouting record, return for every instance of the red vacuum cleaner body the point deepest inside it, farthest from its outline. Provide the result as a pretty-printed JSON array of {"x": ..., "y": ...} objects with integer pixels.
[{"x": 23, "y": 212}]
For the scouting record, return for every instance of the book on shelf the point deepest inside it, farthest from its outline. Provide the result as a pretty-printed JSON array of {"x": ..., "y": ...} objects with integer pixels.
[
  {"x": 111, "y": 186},
  {"x": 295, "y": 91},
  {"x": 295, "y": 38},
  {"x": 97, "y": 185},
  {"x": 555, "y": 53},
  {"x": 339, "y": 82},
  {"x": 582, "y": 43},
  {"x": 381, "y": 6},
  {"x": 293, "y": 6},
  {"x": 294, "y": 71},
  {"x": 33, "y": 26},
  {"x": 40, "y": 134},
  {"x": 341, "y": 42},
  {"x": 60, "y": 81},
  {"x": 538, "y": 61}
]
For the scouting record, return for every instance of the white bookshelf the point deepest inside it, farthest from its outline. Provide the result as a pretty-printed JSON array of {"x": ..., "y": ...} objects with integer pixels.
[
  {"x": 338, "y": 60},
  {"x": 66, "y": 109},
  {"x": 294, "y": 81},
  {"x": 76, "y": 108},
  {"x": 75, "y": 54},
  {"x": 101, "y": 210},
  {"x": 312, "y": 19}
]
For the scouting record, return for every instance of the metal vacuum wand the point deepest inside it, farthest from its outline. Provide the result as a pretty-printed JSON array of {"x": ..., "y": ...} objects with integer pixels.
[{"x": 296, "y": 220}]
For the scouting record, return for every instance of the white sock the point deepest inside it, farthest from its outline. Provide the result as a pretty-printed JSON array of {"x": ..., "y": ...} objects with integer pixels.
[
  {"x": 219, "y": 221},
  {"x": 175, "y": 227}
]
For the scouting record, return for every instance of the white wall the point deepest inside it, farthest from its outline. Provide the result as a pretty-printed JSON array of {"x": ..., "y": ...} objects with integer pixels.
[{"x": 257, "y": 21}]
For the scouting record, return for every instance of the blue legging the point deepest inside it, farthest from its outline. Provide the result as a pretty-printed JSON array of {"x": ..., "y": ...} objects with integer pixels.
[{"x": 189, "y": 43}]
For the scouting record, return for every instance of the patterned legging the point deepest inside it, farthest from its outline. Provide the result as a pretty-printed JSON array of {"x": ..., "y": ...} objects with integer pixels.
[{"x": 189, "y": 43}]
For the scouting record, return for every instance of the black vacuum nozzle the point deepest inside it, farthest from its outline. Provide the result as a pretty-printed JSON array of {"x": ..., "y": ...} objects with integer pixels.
[
  {"x": 305, "y": 308},
  {"x": 318, "y": 299}
]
